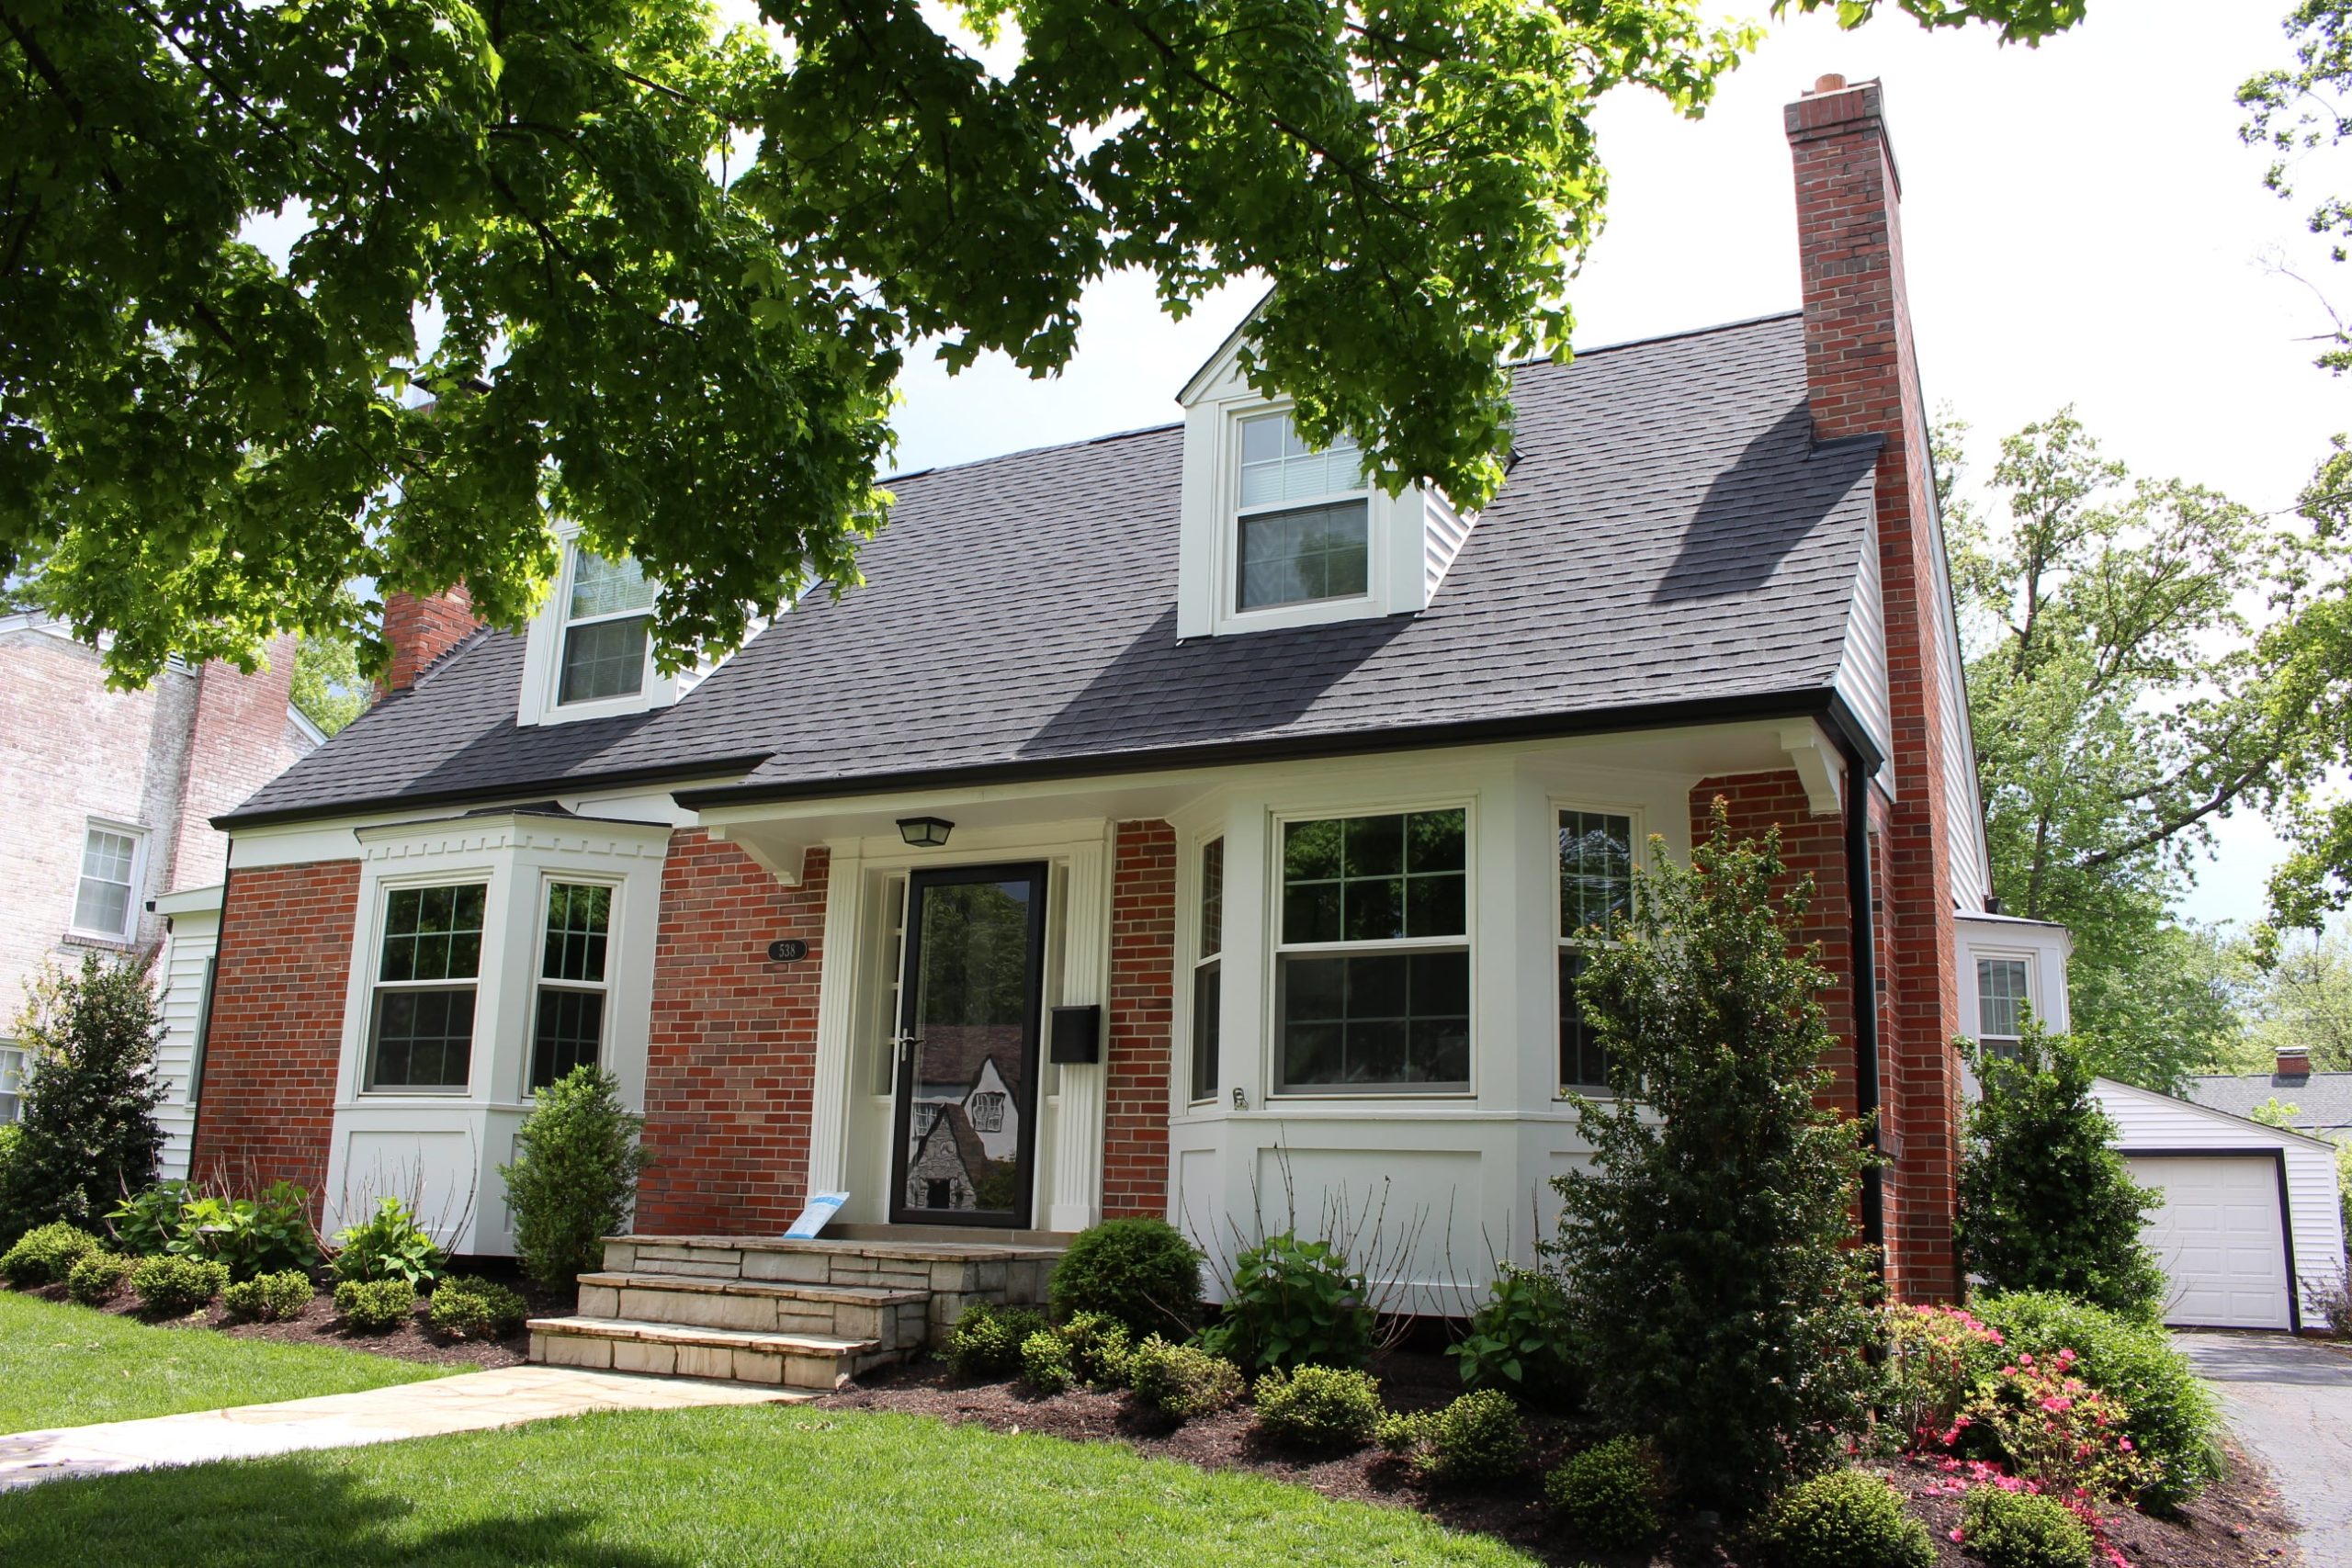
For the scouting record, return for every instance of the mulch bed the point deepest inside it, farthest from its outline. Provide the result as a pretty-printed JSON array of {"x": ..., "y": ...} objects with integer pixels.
[
  {"x": 2235, "y": 1524},
  {"x": 415, "y": 1340}
]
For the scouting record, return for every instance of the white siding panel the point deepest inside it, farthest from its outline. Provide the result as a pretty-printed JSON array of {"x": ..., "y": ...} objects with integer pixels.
[
  {"x": 1443, "y": 531},
  {"x": 1861, "y": 677},
  {"x": 181, "y": 979}
]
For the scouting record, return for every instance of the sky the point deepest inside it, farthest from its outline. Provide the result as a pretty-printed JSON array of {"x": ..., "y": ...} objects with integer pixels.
[{"x": 2081, "y": 226}]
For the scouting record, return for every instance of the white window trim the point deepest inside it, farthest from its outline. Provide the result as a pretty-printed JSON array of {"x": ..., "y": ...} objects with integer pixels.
[
  {"x": 1638, "y": 816},
  {"x": 139, "y": 837},
  {"x": 2023, "y": 957},
  {"x": 385, "y": 888},
  {"x": 1196, "y": 851},
  {"x": 1272, "y": 1086},
  {"x": 542, "y": 682},
  {"x": 549, "y": 879}
]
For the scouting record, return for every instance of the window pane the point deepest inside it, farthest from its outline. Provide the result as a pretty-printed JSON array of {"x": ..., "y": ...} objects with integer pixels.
[
  {"x": 424, "y": 1039},
  {"x": 433, "y": 933},
  {"x": 579, "y": 916},
  {"x": 1294, "y": 558},
  {"x": 601, "y": 587},
  {"x": 102, "y": 907},
  {"x": 1212, "y": 898},
  {"x": 1596, "y": 870},
  {"x": 606, "y": 660},
  {"x": 2001, "y": 1001},
  {"x": 1208, "y": 994},
  {"x": 102, "y": 897},
  {"x": 1341, "y": 880},
  {"x": 108, "y": 856},
  {"x": 1583, "y": 1064},
  {"x": 1277, "y": 465},
  {"x": 570, "y": 1032},
  {"x": 1376, "y": 1021}
]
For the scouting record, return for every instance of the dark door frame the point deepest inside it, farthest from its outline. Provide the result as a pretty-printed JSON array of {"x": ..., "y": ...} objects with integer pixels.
[
  {"x": 1037, "y": 875},
  {"x": 2286, "y": 1216}
]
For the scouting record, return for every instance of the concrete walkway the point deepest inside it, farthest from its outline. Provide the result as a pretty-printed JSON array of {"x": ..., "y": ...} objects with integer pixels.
[
  {"x": 469, "y": 1403},
  {"x": 2290, "y": 1402}
]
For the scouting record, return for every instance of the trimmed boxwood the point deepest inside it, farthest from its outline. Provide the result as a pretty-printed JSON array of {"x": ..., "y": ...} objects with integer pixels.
[
  {"x": 46, "y": 1254},
  {"x": 1843, "y": 1519},
  {"x": 1141, "y": 1271},
  {"x": 99, "y": 1277},
  {"x": 2019, "y": 1530},
  {"x": 1609, "y": 1493},
  {"x": 268, "y": 1298},
  {"x": 177, "y": 1286},
  {"x": 1318, "y": 1407},
  {"x": 373, "y": 1306}
]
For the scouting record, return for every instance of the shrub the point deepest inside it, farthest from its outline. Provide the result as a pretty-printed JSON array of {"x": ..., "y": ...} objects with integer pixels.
[
  {"x": 1843, "y": 1519},
  {"x": 11, "y": 1226},
  {"x": 1936, "y": 1355},
  {"x": 374, "y": 1305},
  {"x": 475, "y": 1308},
  {"x": 2171, "y": 1416},
  {"x": 268, "y": 1235},
  {"x": 46, "y": 1254},
  {"x": 1140, "y": 1271},
  {"x": 573, "y": 1181},
  {"x": 1100, "y": 1349},
  {"x": 96, "y": 1277},
  {"x": 266, "y": 1298},
  {"x": 1318, "y": 1407},
  {"x": 2045, "y": 1201},
  {"x": 90, "y": 1092},
  {"x": 2056, "y": 1430},
  {"x": 2018, "y": 1529},
  {"x": 2334, "y": 1296},
  {"x": 1181, "y": 1381},
  {"x": 175, "y": 1287},
  {"x": 390, "y": 1246},
  {"x": 1045, "y": 1363},
  {"x": 1479, "y": 1437},
  {"x": 1715, "y": 1292},
  {"x": 1519, "y": 1340},
  {"x": 1402, "y": 1431},
  {"x": 145, "y": 1222},
  {"x": 1294, "y": 1303},
  {"x": 986, "y": 1341},
  {"x": 1609, "y": 1494}
]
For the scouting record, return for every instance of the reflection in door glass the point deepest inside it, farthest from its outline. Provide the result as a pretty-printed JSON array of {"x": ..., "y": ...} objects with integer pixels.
[{"x": 969, "y": 1088}]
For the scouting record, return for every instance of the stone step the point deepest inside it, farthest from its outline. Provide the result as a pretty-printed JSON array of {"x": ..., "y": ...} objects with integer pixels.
[
  {"x": 956, "y": 1272},
  {"x": 895, "y": 1319},
  {"x": 624, "y": 1345}
]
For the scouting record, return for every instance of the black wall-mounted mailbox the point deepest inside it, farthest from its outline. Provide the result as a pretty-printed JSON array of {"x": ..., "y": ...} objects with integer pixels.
[{"x": 1078, "y": 1034}]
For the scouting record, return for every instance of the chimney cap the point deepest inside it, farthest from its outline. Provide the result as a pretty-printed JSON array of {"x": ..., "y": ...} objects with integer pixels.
[{"x": 1830, "y": 82}]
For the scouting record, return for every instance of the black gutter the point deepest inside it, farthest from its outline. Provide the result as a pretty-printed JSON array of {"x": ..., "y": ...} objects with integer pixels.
[
  {"x": 1859, "y": 898},
  {"x": 1823, "y": 704},
  {"x": 531, "y": 789}
]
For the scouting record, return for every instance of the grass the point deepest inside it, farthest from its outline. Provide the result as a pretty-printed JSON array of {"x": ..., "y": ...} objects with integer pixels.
[
  {"x": 63, "y": 1365},
  {"x": 737, "y": 1484}
]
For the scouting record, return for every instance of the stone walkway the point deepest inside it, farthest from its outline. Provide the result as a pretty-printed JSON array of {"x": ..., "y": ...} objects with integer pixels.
[
  {"x": 469, "y": 1403},
  {"x": 2290, "y": 1402}
]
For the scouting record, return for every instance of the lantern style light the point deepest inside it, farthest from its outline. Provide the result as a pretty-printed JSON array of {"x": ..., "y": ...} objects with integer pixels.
[{"x": 925, "y": 832}]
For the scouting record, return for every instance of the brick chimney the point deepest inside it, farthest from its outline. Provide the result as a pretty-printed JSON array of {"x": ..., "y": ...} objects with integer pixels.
[
  {"x": 422, "y": 629},
  {"x": 236, "y": 743},
  {"x": 2294, "y": 1062},
  {"x": 1862, "y": 379}
]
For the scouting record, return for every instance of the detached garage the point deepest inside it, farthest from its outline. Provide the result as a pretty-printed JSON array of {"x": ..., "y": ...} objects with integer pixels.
[{"x": 2250, "y": 1212}]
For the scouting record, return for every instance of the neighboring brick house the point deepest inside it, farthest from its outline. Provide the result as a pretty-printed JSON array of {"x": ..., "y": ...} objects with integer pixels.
[
  {"x": 1279, "y": 804},
  {"x": 111, "y": 796}
]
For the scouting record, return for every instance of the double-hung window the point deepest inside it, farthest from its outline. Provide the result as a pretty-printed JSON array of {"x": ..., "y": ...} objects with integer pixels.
[
  {"x": 2002, "y": 1004},
  {"x": 1372, "y": 975},
  {"x": 568, "y": 1029},
  {"x": 104, "y": 903},
  {"x": 421, "y": 1035},
  {"x": 608, "y": 615},
  {"x": 1303, "y": 528},
  {"x": 12, "y": 1084},
  {"x": 1208, "y": 974},
  {"x": 1596, "y": 851}
]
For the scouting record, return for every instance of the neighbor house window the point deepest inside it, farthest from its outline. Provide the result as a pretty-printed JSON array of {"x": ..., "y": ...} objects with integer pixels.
[
  {"x": 12, "y": 1084},
  {"x": 1304, "y": 520},
  {"x": 421, "y": 1035},
  {"x": 1595, "y": 852},
  {"x": 605, "y": 621},
  {"x": 1373, "y": 967},
  {"x": 103, "y": 905},
  {"x": 570, "y": 1029},
  {"x": 2001, "y": 1004},
  {"x": 1208, "y": 978}
]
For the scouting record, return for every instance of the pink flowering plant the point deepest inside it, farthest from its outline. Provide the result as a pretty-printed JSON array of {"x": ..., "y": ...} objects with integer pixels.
[
  {"x": 1936, "y": 1356},
  {"x": 2058, "y": 1433}
]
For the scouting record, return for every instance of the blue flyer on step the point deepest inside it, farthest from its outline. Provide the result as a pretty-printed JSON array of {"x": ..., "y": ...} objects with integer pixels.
[{"x": 821, "y": 1207}]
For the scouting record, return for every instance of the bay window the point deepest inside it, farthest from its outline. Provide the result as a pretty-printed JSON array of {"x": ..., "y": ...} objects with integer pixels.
[
  {"x": 568, "y": 1028},
  {"x": 422, "y": 1031},
  {"x": 1303, "y": 527},
  {"x": 1596, "y": 859},
  {"x": 1208, "y": 978},
  {"x": 1371, "y": 974}
]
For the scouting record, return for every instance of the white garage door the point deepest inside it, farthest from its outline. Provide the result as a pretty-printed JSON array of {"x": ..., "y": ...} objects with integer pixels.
[{"x": 2219, "y": 1236}]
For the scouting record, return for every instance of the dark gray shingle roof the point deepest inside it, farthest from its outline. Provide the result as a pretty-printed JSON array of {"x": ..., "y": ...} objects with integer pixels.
[
  {"x": 2323, "y": 1101},
  {"x": 1670, "y": 538}
]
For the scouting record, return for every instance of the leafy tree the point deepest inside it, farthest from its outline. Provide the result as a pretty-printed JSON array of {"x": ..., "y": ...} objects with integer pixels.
[
  {"x": 2144, "y": 658},
  {"x": 1707, "y": 1256},
  {"x": 2276, "y": 1112},
  {"x": 2293, "y": 110},
  {"x": 89, "y": 1136},
  {"x": 659, "y": 278},
  {"x": 574, "y": 1176},
  {"x": 328, "y": 685},
  {"x": 2045, "y": 1201},
  {"x": 2302, "y": 997}
]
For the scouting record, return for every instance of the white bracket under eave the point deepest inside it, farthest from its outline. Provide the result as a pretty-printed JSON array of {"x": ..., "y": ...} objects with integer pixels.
[
  {"x": 784, "y": 865},
  {"x": 1819, "y": 767}
]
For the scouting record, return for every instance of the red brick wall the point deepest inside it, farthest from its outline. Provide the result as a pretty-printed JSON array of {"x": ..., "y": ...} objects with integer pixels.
[
  {"x": 267, "y": 1109},
  {"x": 1142, "y": 1017},
  {"x": 732, "y": 1062},
  {"x": 422, "y": 630}
]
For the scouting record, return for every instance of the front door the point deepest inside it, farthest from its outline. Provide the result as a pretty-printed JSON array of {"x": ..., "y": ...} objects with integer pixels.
[{"x": 966, "y": 1110}]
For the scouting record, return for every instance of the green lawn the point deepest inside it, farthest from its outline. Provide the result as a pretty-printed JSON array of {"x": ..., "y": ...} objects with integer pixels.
[
  {"x": 63, "y": 1365},
  {"x": 765, "y": 1485}
]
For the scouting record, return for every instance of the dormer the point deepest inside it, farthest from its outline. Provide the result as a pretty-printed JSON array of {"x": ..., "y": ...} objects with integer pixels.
[
  {"x": 590, "y": 651},
  {"x": 1278, "y": 534}
]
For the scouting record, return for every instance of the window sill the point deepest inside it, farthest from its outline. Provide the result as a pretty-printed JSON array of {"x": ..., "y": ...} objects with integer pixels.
[{"x": 93, "y": 939}]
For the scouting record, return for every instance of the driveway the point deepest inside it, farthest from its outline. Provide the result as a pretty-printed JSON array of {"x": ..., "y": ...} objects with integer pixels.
[{"x": 2289, "y": 1401}]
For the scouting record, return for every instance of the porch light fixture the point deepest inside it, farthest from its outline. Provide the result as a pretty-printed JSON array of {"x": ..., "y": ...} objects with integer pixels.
[{"x": 925, "y": 832}]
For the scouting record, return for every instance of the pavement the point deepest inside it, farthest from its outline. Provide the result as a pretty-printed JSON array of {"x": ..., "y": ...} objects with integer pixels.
[
  {"x": 470, "y": 1402},
  {"x": 2289, "y": 1401}
]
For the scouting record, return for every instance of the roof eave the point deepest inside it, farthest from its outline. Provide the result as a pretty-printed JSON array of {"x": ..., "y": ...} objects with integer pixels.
[{"x": 573, "y": 783}]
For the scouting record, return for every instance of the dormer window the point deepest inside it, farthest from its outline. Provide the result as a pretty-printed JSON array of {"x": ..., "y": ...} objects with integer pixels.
[
  {"x": 1303, "y": 528},
  {"x": 606, "y": 617}
]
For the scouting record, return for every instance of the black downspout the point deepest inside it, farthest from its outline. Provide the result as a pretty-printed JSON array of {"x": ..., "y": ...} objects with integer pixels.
[
  {"x": 1866, "y": 1003},
  {"x": 204, "y": 1024}
]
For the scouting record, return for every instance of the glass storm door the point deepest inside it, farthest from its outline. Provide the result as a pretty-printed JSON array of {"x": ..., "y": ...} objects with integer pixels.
[{"x": 967, "y": 1046}]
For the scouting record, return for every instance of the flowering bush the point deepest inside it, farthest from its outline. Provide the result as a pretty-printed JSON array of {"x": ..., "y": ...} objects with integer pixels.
[
  {"x": 1935, "y": 1356},
  {"x": 2056, "y": 1431}
]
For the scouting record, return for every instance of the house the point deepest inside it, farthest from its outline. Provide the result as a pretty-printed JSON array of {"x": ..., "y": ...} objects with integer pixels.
[
  {"x": 1295, "y": 804},
  {"x": 107, "y": 844},
  {"x": 2321, "y": 1103}
]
